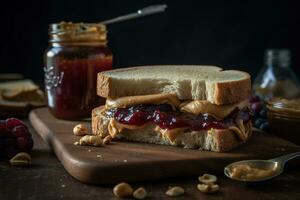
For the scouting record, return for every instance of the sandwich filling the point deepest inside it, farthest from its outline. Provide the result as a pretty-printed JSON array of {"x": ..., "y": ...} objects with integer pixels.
[{"x": 172, "y": 117}]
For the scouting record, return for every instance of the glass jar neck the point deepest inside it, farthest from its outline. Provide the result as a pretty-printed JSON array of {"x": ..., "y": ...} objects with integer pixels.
[
  {"x": 277, "y": 58},
  {"x": 82, "y": 43},
  {"x": 68, "y": 33}
]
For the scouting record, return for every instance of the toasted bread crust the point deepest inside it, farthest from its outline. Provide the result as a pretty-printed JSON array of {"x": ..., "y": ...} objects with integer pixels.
[
  {"x": 218, "y": 140},
  {"x": 224, "y": 92},
  {"x": 229, "y": 92},
  {"x": 103, "y": 85}
]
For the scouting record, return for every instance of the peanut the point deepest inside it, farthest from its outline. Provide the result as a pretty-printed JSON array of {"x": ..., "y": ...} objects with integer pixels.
[
  {"x": 175, "y": 191},
  {"x": 80, "y": 130},
  {"x": 208, "y": 188},
  {"x": 140, "y": 193},
  {"x": 21, "y": 160},
  {"x": 207, "y": 178},
  {"x": 123, "y": 190},
  {"x": 91, "y": 140}
]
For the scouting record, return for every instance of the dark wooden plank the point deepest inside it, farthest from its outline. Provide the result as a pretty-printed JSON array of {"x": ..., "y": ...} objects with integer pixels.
[{"x": 125, "y": 161}]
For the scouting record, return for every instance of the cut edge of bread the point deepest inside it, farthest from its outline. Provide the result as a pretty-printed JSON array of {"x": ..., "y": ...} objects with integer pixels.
[
  {"x": 218, "y": 140},
  {"x": 218, "y": 92}
]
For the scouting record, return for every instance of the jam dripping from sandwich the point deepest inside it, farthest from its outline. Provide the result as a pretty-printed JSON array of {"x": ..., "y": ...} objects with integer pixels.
[{"x": 165, "y": 117}]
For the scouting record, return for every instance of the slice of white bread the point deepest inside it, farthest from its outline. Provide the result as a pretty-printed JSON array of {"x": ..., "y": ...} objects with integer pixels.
[
  {"x": 17, "y": 98},
  {"x": 21, "y": 91},
  {"x": 218, "y": 140},
  {"x": 186, "y": 81}
]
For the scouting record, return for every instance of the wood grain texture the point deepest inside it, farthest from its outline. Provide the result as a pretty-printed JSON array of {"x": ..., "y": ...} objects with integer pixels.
[{"x": 124, "y": 161}]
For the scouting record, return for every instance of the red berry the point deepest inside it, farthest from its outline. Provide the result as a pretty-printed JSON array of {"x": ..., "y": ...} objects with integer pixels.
[
  {"x": 254, "y": 99},
  {"x": 12, "y": 122},
  {"x": 22, "y": 144},
  {"x": 14, "y": 137},
  {"x": 256, "y": 107},
  {"x": 25, "y": 144},
  {"x": 20, "y": 131}
]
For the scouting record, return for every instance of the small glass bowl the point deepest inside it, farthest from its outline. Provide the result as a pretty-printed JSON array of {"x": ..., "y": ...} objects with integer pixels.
[{"x": 284, "y": 118}]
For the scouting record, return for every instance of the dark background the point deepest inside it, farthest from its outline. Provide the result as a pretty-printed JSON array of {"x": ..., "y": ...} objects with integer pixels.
[{"x": 231, "y": 34}]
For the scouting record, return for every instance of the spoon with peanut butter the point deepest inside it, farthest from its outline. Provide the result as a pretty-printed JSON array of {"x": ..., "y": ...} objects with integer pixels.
[{"x": 258, "y": 170}]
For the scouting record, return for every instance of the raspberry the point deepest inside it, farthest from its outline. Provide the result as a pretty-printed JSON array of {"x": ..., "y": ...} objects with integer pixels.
[
  {"x": 14, "y": 137},
  {"x": 256, "y": 107},
  {"x": 20, "y": 131},
  {"x": 24, "y": 144},
  {"x": 12, "y": 122},
  {"x": 254, "y": 99}
]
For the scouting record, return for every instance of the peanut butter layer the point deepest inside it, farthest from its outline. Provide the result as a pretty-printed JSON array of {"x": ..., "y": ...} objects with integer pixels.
[
  {"x": 217, "y": 111},
  {"x": 114, "y": 128},
  {"x": 125, "y": 102}
]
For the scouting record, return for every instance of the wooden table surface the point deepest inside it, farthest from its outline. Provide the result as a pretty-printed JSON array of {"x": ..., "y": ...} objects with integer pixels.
[{"x": 46, "y": 179}]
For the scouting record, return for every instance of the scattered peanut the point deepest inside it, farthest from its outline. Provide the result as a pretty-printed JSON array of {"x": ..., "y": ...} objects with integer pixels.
[
  {"x": 91, "y": 140},
  {"x": 21, "y": 160},
  {"x": 203, "y": 188},
  {"x": 140, "y": 193},
  {"x": 208, "y": 188},
  {"x": 175, "y": 191},
  {"x": 214, "y": 187},
  {"x": 76, "y": 143},
  {"x": 80, "y": 130},
  {"x": 207, "y": 178},
  {"x": 107, "y": 139},
  {"x": 123, "y": 190}
]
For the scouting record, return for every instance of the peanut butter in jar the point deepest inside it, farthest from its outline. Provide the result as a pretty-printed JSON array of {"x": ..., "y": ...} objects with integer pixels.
[{"x": 284, "y": 118}]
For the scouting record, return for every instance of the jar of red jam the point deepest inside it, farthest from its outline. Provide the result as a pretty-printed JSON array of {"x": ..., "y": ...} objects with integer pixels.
[{"x": 77, "y": 52}]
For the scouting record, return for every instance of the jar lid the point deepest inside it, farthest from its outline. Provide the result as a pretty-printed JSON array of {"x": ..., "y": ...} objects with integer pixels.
[
  {"x": 285, "y": 107},
  {"x": 77, "y": 32}
]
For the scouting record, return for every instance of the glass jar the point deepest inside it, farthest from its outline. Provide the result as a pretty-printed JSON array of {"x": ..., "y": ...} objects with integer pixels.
[
  {"x": 277, "y": 79},
  {"x": 76, "y": 53},
  {"x": 284, "y": 118}
]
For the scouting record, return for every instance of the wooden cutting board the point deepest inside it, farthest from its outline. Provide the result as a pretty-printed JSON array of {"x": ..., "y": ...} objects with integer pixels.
[{"x": 128, "y": 161}]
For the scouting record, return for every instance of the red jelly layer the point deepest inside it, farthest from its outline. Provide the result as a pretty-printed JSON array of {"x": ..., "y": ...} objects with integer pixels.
[{"x": 166, "y": 118}]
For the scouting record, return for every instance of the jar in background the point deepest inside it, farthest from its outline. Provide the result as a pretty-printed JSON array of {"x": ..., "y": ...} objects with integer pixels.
[
  {"x": 276, "y": 78},
  {"x": 284, "y": 118},
  {"x": 76, "y": 53}
]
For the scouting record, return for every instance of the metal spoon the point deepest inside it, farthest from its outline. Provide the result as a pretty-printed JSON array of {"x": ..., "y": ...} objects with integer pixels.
[
  {"x": 275, "y": 164},
  {"x": 149, "y": 10}
]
